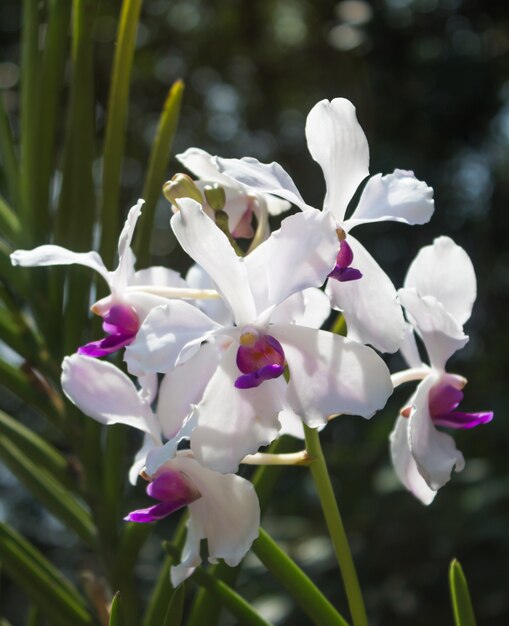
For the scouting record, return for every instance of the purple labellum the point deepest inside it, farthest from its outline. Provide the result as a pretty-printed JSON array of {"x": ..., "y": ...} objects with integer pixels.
[
  {"x": 173, "y": 489},
  {"x": 120, "y": 324},
  {"x": 342, "y": 270},
  {"x": 443, "y": 400},
  {"x": 259, "y": 358}
]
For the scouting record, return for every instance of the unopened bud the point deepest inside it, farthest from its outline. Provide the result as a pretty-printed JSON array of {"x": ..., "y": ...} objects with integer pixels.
[
  {"x": 215, "y": 196},
  {"x": 181, "y": 186}
]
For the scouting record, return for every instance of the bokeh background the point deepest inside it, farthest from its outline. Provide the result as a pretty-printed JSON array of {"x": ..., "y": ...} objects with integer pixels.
[{"x": 430, "y": 80}]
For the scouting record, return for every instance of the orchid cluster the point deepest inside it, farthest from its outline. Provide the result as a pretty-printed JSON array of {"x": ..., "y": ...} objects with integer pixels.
[{"x": 226, "y": 360}]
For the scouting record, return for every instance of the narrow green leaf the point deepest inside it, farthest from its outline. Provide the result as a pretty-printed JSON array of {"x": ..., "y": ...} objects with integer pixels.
[
  {"x": 53, "y": 495},
  {"x": 34, "y": 617},
  {"x": 303, "y": 590},
  {"x": 115, "y": 126},
  {"x": 175, "y": 610},
  {"x": 460, "y": 596},
  {"x": 116, "y": 611},
  {"x": 10, "y": 226},
  {"x": 8, "y": 156},
  {"x": 50, "y": 86},
  {"x": 27, "y": 385},
  {"x": 41, "y": 581},
  {"x": 235, "y": 603},
  {"x": 29, "y": 109},
  {"x": 36, "y": 449},
  {"x": 156, "y": 172}
]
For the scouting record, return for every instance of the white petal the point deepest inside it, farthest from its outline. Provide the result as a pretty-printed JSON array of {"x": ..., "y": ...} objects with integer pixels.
[
  {"x": 190, "y": 554},
  {"x": 125, "y": 269},
  {"x": 56, "y": 255},
  {"x": 202, "y": 165},
  {"x": 276, "y": 206},
  {"x": 409, "y": 348},
  {"x": 163, "y": 335},
  {"x": 445, "y": 271},
  {"x": 159, "y": 276},
  {"x": 148, "y": 388},
  {"x": 405, "y": 465},
  {"x": 184, "y": 386},
  {"x": 234, "y": 422},
  {"x": 435, "y": 452},
  {"x": 216, "y": 309},
  {"x": 310, "y": 307},
  {"x": 299, "y": 255},
  {"x": 262, "y": 177},
  {"x": 338, "y": 144},
  {"x": 141, "y": 458},
  {"x": 291, "y": 424},
  {"x": 105, "y": 393},
  {"x": 330, "y": 375},
  {"x": 210, "y": 248},
  {"x": 370, "y": 305},
  {"x": 228, "y": 510},
  {"x": 398, "y": 197},
  {"x": 440, "y": 332}
]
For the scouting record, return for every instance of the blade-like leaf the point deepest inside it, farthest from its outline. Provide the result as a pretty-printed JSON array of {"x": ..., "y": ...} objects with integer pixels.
[
  {"x": 54, "y": 496},
  {"x": 8, "y": 156},
  {"x": 116, "y": 611},
  {"x": 175, "y": 610},
  {"x": 156, "y": 172},
  {"x": 45, "y": 586},
  {"x": 10, "y": 226},
  {"x": 115, "y": 126},
  {"x": 460, "y": 596}
]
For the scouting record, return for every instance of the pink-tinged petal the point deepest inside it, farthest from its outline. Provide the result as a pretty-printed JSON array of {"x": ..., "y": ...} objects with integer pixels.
[
  {"x": 370, "y": 305},
  {"x": 105, "y": 393},
  {"x": 434, "y": 452},
  {"x": 125, "y": 269},
  {"x": 108, "y": 345},
  {"x": 405, "y": 465},
  {"x": 228, "y": 510},
  {"x": 163, "y": 335},
  {"x": 445, "y": 271},
  {"x": 183, "y": 387},
  {"x": 338, "y": 144},
  {"x": 440, "y": 332},
  {"x": 330, "y": 375},
  {"x": 190, "y": 553},
  {"x": 56, "y": 255},
  {"x": 399, "y": 197},
  {"x": 297, "y": 256},
  {"x": 268, "y": 178},
  {"x": 310, "y": 307},
  {"x": 234, "y": 422},
  {"x": 210, "y": 248}
]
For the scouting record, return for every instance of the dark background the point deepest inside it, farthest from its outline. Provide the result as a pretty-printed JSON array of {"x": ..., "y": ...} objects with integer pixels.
[{"x": 430, "y": 82}]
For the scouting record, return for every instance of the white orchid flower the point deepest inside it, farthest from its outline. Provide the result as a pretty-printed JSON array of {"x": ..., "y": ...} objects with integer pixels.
[
  {"x": 241, "y": 399},
  {"x": 357, "y": 285},
  {"x": 241, "y": 203},
  {"x": 133, "y": 294},
  {"x": 222, "y": 508},
  {"x": 438, "y": 296}
]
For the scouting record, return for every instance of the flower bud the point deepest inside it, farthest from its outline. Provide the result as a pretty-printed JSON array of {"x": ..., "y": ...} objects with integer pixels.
[
  {"x": 181, "y": 186},
  {"x": 215, "y": 196}
]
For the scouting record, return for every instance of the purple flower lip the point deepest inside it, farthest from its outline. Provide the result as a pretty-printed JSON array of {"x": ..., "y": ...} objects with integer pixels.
[
  {"x": 259, "y": 358},
  {"x": 173, "y": 489},
  {"x": 120, "y": 324},
  {"x": 342, "y": 270},
  {"x": 444, "y": 399}
]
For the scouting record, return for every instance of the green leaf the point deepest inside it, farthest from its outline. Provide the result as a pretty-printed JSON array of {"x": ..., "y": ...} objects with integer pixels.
[
  {"x": 8, "y": 156},
  {"x": 57, "y": 599},
  {"x": 460, "y": 596},
  {"x": 116, "y": 611},
  {"x": 53, "y": 495},
  {"x": 10, "y": 226},
  {"x": 115, "y": 126},
  {"x": 54, "y": 59},
  {"x": 303, "y": 590},
  {"x": 175, "y": 610},
  {"x": 156, "y": 172},
  {"x": 228, "y": 597}
]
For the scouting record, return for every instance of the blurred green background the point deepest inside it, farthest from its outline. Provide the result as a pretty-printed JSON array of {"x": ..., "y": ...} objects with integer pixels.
[{"x": 430, "y": 80}]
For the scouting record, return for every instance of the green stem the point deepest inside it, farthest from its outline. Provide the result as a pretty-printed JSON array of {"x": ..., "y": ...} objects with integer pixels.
[
  {"x": 336, "y": 528},
  {"x": 305, "y": 592}
]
